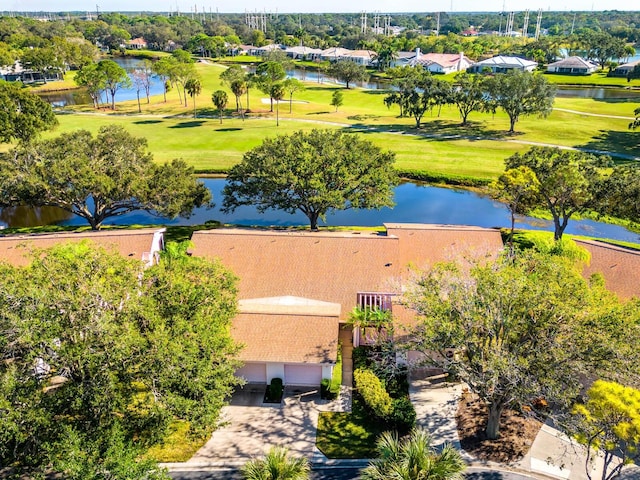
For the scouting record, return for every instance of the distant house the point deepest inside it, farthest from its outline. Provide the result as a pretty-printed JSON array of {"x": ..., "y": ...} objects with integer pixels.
[
  {"x": 402, "y": 59},
  {"x": 623, "y": 70},
  {"x": 303, "y": 53},
  {"x": 263, "y": 51},
  {"x": 334, "y": 54},
  {"x": 143, "y": 244},
  {"x": 137, "y": 44},
  {"x": 470, "y": 32},
  {"x": 572, "y": 66},
  {"x": 502, "y": 64},
  {"x": 442, "y": 62},
  {"x": 361, "y": 57},
  {"x": 234, "y": 50}
]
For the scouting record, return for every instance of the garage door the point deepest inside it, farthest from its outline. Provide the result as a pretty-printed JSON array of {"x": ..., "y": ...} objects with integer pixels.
[
  {"x": 303, "y": 375},
  {"x": 253, "y": 372}
]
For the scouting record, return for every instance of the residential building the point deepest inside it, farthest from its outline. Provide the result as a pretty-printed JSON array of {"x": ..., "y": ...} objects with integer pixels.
[
  {"x": 137, "y": 44},
  {"x": 303, "y": 53},
  {"x": 334, "y": 54},
  {"x": 142, "y": 244},
  {"x": 573, "y": 66},
  {"x": 297, "y": 288},
  {"x": 623, "y": 70},
  {"x": 442, "y": 62},
  {"x": 502, "y": 64}
]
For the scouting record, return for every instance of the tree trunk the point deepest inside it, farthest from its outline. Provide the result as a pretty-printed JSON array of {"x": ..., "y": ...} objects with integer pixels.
[
  {"x": 558, "y": 229},
  {"x": 138, "y": 94},
  {"x": 220, "y": 116},
  {"x": 184, "y": 94},
  {"x": 271, "y": 100},
  {"x": 247, "y": 98},
  {"x": 493, "y": 421},
  {"x": 513, "y": 228},
  {"x": 277, "y": 113},
  {"x": 313, "y": 219},
  {"x": 512, "y": 121}
]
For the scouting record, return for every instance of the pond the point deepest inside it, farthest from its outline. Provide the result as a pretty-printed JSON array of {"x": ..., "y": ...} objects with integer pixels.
[
  {"x": 415, "y": 203},
  {"x": 81, "y": 97}
]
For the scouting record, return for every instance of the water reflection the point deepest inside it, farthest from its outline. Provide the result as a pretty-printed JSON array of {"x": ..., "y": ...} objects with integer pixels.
[
  {"x": 415, "y": 203},
  {"x": 33, "y": 216}
]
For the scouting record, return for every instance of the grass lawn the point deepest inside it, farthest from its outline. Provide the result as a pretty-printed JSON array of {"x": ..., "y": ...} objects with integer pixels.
[
  {"x": 348, "y": 434},
  {"x": 441, "y": 148},
  {"x": 598, "y": 78},
  {"x": 178, "y": 446}
]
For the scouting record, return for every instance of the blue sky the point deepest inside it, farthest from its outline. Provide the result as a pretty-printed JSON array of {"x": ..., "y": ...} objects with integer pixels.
[{"x": 317, "y": 6}]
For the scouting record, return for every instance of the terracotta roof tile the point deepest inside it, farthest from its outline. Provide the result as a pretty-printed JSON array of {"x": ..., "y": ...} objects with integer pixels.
[
  {"x": 286, "y": 338},
  {"x": 16, "y": 249},
  {"x": 619, "y": 266}
]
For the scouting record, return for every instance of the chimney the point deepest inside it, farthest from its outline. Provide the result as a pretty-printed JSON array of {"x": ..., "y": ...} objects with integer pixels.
[{"x": 417, "y": 52}]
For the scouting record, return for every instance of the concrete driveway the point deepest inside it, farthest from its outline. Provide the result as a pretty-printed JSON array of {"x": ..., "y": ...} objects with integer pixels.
[{"x": 253, "y": 428}]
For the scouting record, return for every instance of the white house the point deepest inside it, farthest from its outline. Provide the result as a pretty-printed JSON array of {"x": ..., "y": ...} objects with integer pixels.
[
  {"x": 442, "y": 62},
  {"x": 572, "y": 65},
  {"x": 623, "y": 70},
  {"x": 502, "y": 64},
  {"x": 334, "y": 53},
  {"x": 303, "y": 53}
]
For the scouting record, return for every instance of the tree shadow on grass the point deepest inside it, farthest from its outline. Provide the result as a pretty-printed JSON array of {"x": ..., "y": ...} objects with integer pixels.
[
  {"x": 439, "y": 131},
  {"x": 193, "y": 123},
  {"x": 228, "y": 129},
  {"x": 627, "y": 143},
  {"x": 147, "y": 122},
  {"x": 318, "y": 113}
]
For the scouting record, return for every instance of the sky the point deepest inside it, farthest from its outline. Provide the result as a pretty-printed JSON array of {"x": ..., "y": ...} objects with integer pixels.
[{"x": 318, "y": 6}]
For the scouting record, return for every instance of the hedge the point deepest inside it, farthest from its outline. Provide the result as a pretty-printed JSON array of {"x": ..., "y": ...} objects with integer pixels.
[{"x": 373, "y": 393}]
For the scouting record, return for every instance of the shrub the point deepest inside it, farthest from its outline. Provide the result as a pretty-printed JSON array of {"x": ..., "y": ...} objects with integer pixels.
[
  {"x": 325, "y": 389},
  {"x": 360, "y": 357},
  {"x": 403, "y": 415},
  {"x": 373, "y": 393},
  {"x": 275, "y": 391}
]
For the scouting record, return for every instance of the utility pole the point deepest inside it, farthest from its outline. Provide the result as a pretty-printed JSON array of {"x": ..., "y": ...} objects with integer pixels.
[
  {"x": 538, "y": 22},
  {"x": 525, "y": 25},
  {"x": 573, "y": 24},
  {"x": 363, "y": 22},
  {"x": 437, "y": 23}
]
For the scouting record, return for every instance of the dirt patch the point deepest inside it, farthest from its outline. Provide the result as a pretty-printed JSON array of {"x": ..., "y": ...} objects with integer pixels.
[{"x": 517, "y": 432}]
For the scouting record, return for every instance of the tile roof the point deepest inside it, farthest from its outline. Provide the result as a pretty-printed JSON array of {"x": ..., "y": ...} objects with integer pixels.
[
  {"x": 326, "y": 266},
  {"x": 423, "y": 245},
  {"x": 573, "y": 62},
  {"x": 502, "y": 60},
  {"x": 286, "y": 338},
  {"x": 619, "y": 266},
  {"x": 16, "y": 249}
]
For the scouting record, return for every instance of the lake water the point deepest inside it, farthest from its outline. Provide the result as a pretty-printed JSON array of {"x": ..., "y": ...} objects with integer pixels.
[
  {"x": 415, "y": 203},
  {"x": 81, "y": 97}
]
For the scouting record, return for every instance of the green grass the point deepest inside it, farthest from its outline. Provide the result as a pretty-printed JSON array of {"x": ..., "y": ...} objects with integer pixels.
[
  {"x": 336, "y": 376},
  {"x": 348, "y": 434},
  {"x": 595, "y": 79},
  {"x": 178, "y": 445}
]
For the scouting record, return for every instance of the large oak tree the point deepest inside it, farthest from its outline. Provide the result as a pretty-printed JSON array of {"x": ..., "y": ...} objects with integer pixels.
[
  {"x": 98, "y": 356},
  {"x": 519, "y": 94},
  {"x": 98, "y": 177},
  {"x": 22, "y": 113},
  {"x": 521, "y": 327},
  {"x": 567, "y": 179},
  {"x": 314, "y": 173}
]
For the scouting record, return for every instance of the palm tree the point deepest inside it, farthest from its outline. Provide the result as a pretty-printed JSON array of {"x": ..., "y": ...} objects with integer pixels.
[
  {"x": 220, "y": 99},
  {"x": 193, "y": 87},
  {"x": 277, "y": 465},
  {"x": 277, "y": 94},
  {"x": 413, "y": 458}
]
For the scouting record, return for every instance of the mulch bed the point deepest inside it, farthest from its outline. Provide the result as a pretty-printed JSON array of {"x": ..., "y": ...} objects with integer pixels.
[{"x": 517, "y": 432}]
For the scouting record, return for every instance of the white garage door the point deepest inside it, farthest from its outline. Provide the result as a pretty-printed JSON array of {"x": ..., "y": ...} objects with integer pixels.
[
  {"x": 303, "y": 374},
  {"x": 253, "y": 372}
]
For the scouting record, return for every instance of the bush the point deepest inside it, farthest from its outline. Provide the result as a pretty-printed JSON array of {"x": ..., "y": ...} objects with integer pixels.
[
  {"x": 325, "y": 389},
  {"x": 373, "y": 393},
  {"x": 360, "y": 357},
  {"x": 275, "y": 391},
  {"x": 403, "y": 415}
]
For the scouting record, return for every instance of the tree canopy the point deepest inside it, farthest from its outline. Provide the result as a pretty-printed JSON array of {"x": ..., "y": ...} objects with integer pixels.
[
  {"x": 22, "y": 114},
  {"x": 99, "y": 355},
  {"x": 520, "y": 328},
  {"x": 98, "y": 177},
  {"x": 608, "y": 422},
  {"x": 347, "y": 71},
  {"x": 314, "y": 173},
  {"x": 567, "y": 179},
  {"x": 520, "y": 93}
]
